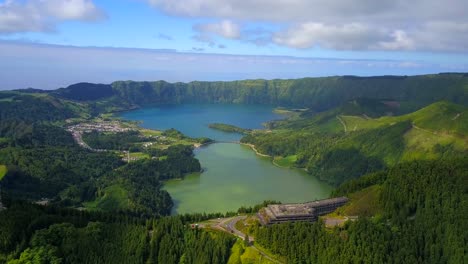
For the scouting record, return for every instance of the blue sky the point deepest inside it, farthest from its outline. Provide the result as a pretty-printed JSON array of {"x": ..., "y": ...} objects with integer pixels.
[{"x": 50, "y": 43}]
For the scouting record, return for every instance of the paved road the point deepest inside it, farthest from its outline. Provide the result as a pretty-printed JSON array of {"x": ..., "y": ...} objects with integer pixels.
[{"x": 229, "y": 225}]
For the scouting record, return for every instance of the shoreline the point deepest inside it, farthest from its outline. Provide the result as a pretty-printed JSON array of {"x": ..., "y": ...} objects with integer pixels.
[
  {"x": 252, "y": 146},
  {"x": 201, "y": 145},
  {"x": 277, "y": 165}
]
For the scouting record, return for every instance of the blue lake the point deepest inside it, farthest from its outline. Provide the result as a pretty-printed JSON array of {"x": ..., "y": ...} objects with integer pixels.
[{"x": 193, "y": 120}]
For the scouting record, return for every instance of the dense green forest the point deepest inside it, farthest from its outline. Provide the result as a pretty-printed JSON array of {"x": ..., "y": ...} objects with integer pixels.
[
  {"x": 22, "y": 114},
  {"x": 33, "y": 234},
  {"x": 71, "y": 176},
  {"x": 115, "y": 141},
  {"x": 397, "y": 143},
  {"x": 423, "y": 221}
]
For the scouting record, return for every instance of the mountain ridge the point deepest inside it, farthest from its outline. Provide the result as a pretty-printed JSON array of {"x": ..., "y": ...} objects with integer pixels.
[{"x": 319, "y": 93}]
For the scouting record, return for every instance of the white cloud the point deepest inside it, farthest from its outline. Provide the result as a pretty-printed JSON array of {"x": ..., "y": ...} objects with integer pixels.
[
  {"x": 208, "y": 32},
  {"x": 324, "y": 11},
  {"x": 226, "y": 29},
  {"x": 72, "y": 9},
  {"x": 270, "y": 10},
  {"x": 423, "y": 25},
  {"x": 43, "y": 15},
  {"x": 442, "y": 35},
  {"x": 400, "y": 41},
  {"x": 345, "y": 37}
]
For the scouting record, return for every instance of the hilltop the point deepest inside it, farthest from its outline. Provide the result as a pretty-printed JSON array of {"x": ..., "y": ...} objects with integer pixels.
[{"x": 319, "y": 94}]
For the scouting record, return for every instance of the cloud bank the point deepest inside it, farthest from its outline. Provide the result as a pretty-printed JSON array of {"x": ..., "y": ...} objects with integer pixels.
[
  {"x": 43, "y": 15},
  {"x": 418, "y": 25}
]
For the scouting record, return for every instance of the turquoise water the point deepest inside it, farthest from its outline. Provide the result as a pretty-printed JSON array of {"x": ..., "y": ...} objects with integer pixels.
[
  {"x": 233, "y": 175},
  {"x": 193, "y": 119}
]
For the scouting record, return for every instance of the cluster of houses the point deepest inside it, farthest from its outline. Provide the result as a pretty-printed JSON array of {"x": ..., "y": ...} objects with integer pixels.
[
  {"x": 78, "y": 130},
  {"x": 160, "y": 139},
  {"x": 114, "y": 127}
]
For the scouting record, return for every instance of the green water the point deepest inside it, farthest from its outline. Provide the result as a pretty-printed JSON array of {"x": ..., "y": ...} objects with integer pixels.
[{"x": 233, "y": 175}]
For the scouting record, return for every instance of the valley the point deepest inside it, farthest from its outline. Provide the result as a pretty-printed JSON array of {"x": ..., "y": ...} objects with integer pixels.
[
  {"x": 140, "y": 164},
  {"x": 232, "y": 176}
]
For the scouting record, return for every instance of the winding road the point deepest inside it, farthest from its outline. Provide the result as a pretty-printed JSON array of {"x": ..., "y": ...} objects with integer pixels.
[{"x": 229, "y": 225}]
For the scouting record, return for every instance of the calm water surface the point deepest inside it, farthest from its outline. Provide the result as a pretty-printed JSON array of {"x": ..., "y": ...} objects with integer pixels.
[
  {"x": 233, "y": 175},
  {"x": 193, "y": 120}
]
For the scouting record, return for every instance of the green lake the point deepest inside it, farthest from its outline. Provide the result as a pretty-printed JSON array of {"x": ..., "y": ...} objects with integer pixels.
[{"x": 233, "y": 175}]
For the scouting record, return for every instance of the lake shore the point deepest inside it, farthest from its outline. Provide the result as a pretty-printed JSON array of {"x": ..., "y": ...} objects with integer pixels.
[
  {"x": 252, "y": 146},
  {"x": 236, "y": 176}
]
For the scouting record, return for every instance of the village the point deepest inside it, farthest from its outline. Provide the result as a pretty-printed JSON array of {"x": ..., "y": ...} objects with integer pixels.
[
  {"x": 104, "y": 126},
  {"x": 149, "y": 138},
  {"x": 78, "y": 130}
]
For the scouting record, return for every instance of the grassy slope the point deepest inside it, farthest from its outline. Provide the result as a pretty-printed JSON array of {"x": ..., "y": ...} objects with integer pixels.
[
  {"x": 321, "y": 145},
  {"x": 441, "y": 123},
  {"x": 286, "y": 162},
  {"x": 3, "y": 171},
  {"x": 246, "y": 255},
  {"x": 115, "y": 198},
  {"x": 441, "y": 116},
  {"x": 363, "y": 202}
]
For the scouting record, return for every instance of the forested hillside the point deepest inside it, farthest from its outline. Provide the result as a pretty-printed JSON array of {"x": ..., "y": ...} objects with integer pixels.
[
  {"x": 317, "y": 93},
  {"x": 336, "y": 147},
  {"x": 22, "y": 114},
  {"x": 423, "y": 221},
  {"x": 41, "y": 160},
  {"x": 33, "y": 234},
  {"x": 72, "y": 176}
]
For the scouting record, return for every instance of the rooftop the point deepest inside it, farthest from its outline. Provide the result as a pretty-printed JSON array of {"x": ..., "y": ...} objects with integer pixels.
[
  {"x": 302, "y": 209},
  {"x": 283, "y": 210},
  {"x": 327, "y": 202}
]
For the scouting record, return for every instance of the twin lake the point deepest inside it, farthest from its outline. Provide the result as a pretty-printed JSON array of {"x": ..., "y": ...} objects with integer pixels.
[{"x": 233, "y": 175}]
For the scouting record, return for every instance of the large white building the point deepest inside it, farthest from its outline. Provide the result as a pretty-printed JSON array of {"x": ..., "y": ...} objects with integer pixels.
[{"x": 305, "y": 212}]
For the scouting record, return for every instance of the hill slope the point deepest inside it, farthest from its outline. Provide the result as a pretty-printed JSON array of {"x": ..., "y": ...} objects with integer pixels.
[{"x": 336, "y": 147}]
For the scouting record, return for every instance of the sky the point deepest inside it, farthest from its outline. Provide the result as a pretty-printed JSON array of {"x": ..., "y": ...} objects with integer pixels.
[{"x": 49, "y": 44}]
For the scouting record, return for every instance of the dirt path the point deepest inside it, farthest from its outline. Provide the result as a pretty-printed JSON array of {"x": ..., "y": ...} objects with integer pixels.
[
  {"x": 255, "y": 150},
  {"x": 343, "y": 123},
  {"x": 422, "y": 129},
  {"x": 456, "y": 117},
  {"x": 366, "y": 117}
]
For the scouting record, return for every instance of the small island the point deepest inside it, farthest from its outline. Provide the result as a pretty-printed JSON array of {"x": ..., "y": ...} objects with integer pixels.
[{"x": 229, "y": 128}]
